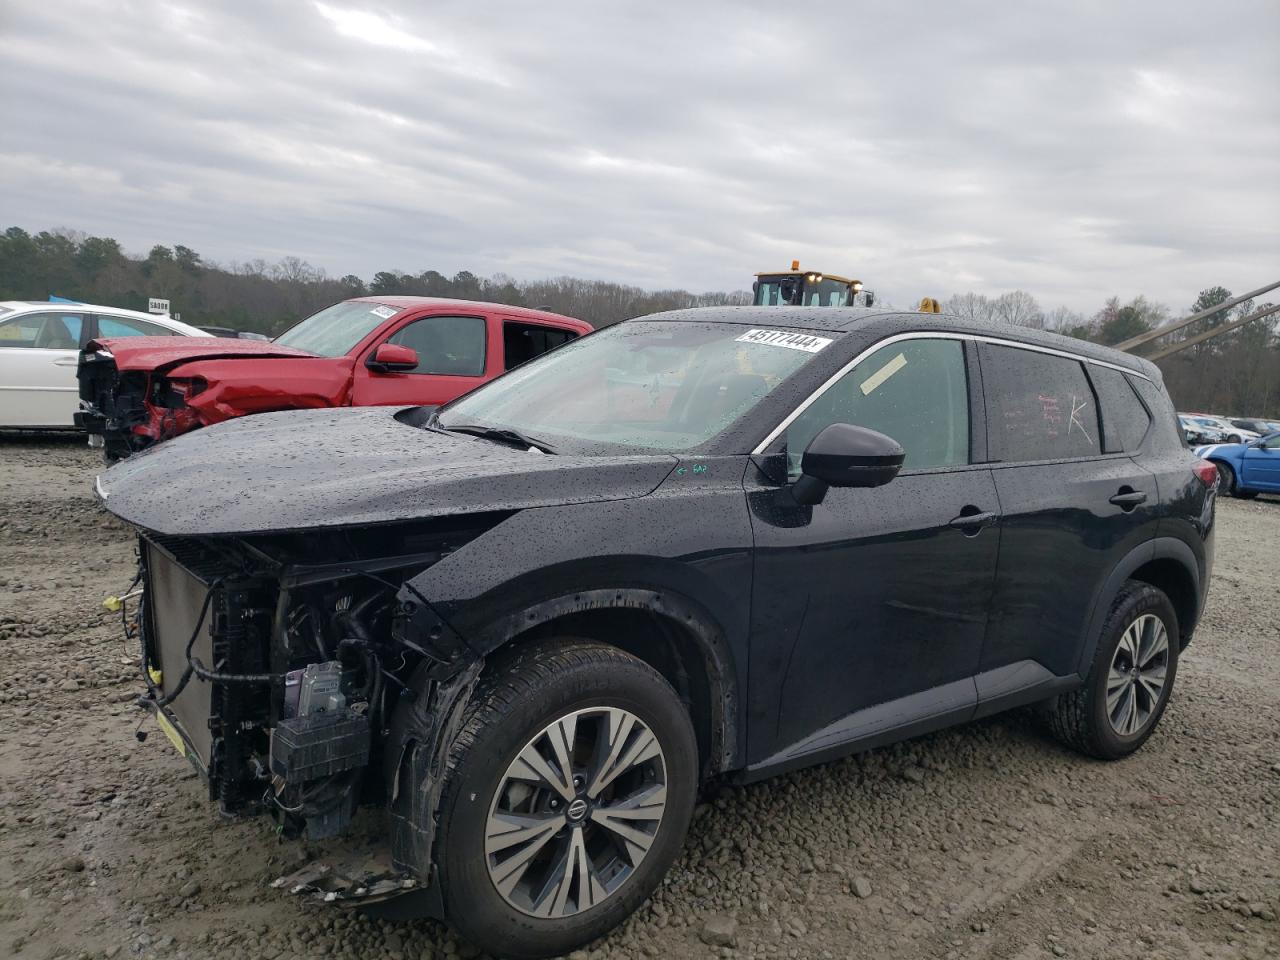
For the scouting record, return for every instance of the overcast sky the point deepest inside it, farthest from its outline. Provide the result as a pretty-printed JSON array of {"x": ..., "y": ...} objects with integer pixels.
[{"x": 1075, "y": 150}]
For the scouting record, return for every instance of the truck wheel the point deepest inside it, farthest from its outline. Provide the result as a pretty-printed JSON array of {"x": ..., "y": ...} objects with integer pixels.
[
  {"x": 567, "y": 797},
  {"x": 1129, "y": 684}
]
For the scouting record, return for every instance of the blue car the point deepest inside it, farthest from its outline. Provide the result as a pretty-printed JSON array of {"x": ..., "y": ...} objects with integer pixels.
[{"x": 1246, "y": 469}]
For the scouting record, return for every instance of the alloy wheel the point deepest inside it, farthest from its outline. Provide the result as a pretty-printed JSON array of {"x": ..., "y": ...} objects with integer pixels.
[
  {"x": 576, "y": 812},
  {"x": 1138, "y": 673}
]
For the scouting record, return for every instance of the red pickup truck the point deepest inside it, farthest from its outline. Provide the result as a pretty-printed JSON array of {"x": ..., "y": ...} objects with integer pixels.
[{"x": 138, "y": 391}]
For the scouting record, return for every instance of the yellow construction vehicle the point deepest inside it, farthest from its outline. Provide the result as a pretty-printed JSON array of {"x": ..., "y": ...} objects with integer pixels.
[{"x": 808, "y": 288}]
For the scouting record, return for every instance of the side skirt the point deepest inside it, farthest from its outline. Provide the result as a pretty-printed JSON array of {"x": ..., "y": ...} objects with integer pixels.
[{"x": 916, "y": 714}]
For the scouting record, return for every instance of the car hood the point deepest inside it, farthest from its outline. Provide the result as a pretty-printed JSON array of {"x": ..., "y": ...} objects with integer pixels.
[
  {"x": 1207, "y": 450},
  {"x": 332, "y": 468},
  {"x": 162, "y": 353}
]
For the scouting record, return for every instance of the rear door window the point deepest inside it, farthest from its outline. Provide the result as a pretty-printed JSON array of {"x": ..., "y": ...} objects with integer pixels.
[
  {"x": 524, "y": 341},
  {"x": 129, "y": 327},
  {"x": 1125, "y": 420},
  {"x": 1039, "y": 406},
  {"x": 446, "y": 346},
  {"x": 46, "y": 330}
]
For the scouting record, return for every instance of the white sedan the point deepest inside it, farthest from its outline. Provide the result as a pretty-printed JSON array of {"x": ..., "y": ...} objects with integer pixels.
[
  {"x": 1230, "y": 432},
  {"x": 40, "y": 346}
]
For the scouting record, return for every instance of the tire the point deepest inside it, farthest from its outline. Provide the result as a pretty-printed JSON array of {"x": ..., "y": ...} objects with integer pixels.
[
  {"x": 1233, "y": 439},
  {"x": 1082, "y": 719},
  {"x": 514, "y": 710},
  {"x": 1226, "y": 478},
  {"x": 1245, "y": 494}
]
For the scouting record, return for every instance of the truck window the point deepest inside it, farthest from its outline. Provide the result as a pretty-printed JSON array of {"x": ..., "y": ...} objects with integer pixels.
[
  {"x": 446, "y": 346},
  {"x": 524, "y": 341}
]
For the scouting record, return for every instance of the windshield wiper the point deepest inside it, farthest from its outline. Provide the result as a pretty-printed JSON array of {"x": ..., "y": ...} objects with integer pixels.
[{"x": 499, "y": 434}]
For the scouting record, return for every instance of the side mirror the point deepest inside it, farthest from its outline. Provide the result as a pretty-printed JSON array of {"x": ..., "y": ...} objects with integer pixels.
[
  {"x": 393, "y": 358},
  {"x": 843, "y": 455}
]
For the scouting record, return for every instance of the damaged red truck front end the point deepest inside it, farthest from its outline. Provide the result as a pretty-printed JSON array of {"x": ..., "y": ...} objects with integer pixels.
[
  {"x": 370, "y": 351},
  {"x": 138, "y": 391}
]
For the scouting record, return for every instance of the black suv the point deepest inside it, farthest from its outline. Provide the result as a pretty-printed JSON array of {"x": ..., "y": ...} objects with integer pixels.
[{"x": 717, "y": 543}]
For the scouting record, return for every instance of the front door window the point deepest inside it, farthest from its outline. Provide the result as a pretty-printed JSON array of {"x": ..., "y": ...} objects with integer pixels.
[
  {"x": 446, "y": 346},
  {"x": 915, "y": 391}
]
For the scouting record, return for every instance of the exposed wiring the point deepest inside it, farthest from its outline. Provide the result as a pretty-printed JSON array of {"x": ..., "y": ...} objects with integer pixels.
[
  {"x": 194, "y": 665},
  {"x": 307, "y": 796}
]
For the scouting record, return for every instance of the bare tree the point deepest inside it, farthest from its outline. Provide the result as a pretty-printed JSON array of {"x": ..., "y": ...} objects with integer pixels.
[
  {"x": 971, "y": 306},
  {"x": 1064, "y": 320},
  {"x": 1019, "y": 309}
]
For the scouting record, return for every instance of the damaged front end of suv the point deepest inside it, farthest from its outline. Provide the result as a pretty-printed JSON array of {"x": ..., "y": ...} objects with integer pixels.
[
  {"x": 321, "y": 591},
  {"x": 278, "y": 676}
]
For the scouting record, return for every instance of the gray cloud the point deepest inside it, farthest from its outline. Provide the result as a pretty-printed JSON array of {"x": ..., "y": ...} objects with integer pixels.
[{"x": 1074, "y": 150}]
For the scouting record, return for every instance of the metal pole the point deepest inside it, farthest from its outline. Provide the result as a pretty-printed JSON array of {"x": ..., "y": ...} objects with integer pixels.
[
  {"x": 1150, "y": 335},
  {"x": 1210, "y": 334}
]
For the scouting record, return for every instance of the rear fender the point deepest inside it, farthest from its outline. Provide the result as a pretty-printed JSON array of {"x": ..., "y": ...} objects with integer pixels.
[{"x": 1160, "y": 548}]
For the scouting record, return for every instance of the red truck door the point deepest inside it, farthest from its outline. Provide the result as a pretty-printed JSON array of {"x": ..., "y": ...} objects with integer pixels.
[{"x": 456, "y": 353}]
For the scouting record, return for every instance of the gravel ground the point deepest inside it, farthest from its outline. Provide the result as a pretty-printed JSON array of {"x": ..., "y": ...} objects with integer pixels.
[{"x": 983, "y": 841}]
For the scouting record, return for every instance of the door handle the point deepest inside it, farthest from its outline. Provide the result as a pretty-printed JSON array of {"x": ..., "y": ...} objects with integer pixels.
[
  {"x": 1127, "y": 499},
  {"x": 974, "y": 521},
  {"x": 66, "y": 362}
]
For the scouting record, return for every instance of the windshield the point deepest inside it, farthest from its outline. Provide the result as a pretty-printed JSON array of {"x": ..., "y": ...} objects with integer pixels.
[
  {"x": 638, "y": 387},
  {"x": 798, "y": 291},
  {"x": 335, "y": 330}
]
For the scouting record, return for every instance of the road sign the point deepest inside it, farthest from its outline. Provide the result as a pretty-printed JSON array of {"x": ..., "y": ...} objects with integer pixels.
[{"x": 156, "y": 305}]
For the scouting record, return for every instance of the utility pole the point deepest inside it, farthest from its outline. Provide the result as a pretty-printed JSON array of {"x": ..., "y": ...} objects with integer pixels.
[
  {"x": 1176, "y": 325},
  {"x": 1210, "y": 334}
]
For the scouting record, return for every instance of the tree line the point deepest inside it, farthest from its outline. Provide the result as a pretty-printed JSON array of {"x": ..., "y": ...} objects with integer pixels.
[
  {"x": 270, "y": 297},
  {"x": 1237, "y": 373}
]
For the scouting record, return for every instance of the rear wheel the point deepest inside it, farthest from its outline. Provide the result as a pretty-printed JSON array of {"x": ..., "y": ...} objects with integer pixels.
[
  {"x": 569, "y": 792},
  {"x": 1130, "y": 681},
  {"x": 1234, "y": 438}
]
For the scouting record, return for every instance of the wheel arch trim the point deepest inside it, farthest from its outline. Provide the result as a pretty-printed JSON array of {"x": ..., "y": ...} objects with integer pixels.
[
  {"x": 1159, "y": 548},
  {"x": 677, "y": 611}
]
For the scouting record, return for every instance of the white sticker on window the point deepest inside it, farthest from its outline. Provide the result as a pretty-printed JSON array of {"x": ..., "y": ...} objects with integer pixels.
[
  {"x": 780, "y": 338},
  {"x": 883, "y": 374},
  {"x": 383, "y": 312}
]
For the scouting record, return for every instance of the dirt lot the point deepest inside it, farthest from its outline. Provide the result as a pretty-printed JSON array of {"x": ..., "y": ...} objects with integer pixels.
[{"x": 986, "y": 841}]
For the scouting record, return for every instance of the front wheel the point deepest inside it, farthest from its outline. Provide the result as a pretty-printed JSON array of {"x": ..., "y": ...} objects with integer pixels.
[
  {"x": 569, "y": 791},
  {"x": 1233, "y": 439},
  {"x": 1226, "y": 478},
  {"x": 1129, "y": 683}
]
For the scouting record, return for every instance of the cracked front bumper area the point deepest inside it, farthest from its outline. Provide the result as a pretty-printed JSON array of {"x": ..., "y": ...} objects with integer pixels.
[{"x": 313, "y": 693}]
